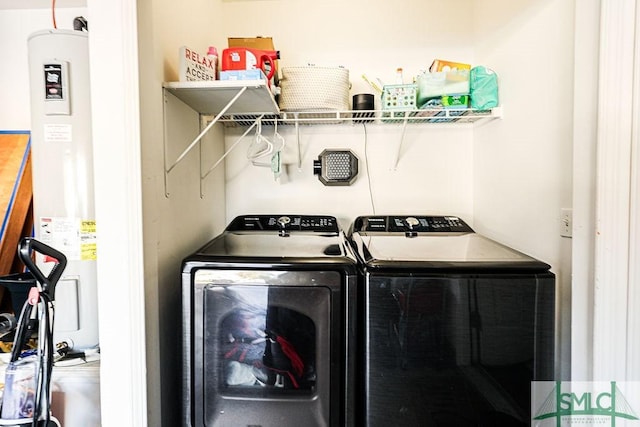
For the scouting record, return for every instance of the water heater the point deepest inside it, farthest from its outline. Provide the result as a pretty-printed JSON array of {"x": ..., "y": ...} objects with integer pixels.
[{"x": 63, "y": 193}]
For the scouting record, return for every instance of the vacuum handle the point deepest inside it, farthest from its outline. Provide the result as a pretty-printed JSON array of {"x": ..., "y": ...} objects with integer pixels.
[{"x": 27, "y": 244}]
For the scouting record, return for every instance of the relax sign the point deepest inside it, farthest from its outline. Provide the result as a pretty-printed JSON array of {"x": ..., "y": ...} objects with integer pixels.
[{"x": 195, "y": 66}]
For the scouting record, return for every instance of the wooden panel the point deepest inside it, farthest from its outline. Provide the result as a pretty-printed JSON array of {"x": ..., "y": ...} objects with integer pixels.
[{"x": 15, "y": 196}]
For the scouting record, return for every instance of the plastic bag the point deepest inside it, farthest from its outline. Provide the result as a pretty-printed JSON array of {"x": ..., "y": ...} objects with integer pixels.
[
  {"x": 483, "y": 87},
  {"x": 18, "y": 401}
]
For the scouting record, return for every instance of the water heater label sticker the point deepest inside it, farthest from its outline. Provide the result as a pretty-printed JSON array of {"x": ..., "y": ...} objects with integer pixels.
[
  {"x": 57, "y": 132},
  {"x": 74, "y": 237},
  {"x": 88, "y": 246}
]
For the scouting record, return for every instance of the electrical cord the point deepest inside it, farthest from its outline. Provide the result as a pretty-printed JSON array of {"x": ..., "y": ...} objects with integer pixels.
[
  {"x": 366, "y": 158},
  {"x": 53, "y": 13},
  {"x": 45, "y": 360},
  {"x": 21, "y": 332},
  {"x": 40, "y": 375}
]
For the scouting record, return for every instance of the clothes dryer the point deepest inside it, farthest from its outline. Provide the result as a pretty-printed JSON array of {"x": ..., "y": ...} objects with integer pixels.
[
  {"x": 269, "y": 325},
  {"x": 455, "y": 326}
]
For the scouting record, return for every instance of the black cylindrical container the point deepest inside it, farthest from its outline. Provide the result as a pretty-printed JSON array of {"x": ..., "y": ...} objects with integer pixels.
[{"x": 363, "y": 102}]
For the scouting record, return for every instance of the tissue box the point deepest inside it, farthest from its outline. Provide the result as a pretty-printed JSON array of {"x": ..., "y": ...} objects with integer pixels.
[
  {"x": 254, "y": 74},
  {"x": 448, "y": 66}
]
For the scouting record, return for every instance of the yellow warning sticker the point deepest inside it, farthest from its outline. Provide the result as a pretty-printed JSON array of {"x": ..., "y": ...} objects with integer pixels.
[
  {"x": 87, "y": 226},
  {"x": 88, "y": 246},
  {"x": 88, "y": 252}
]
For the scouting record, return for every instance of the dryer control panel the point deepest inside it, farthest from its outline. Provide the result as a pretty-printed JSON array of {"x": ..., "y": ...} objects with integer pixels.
[
  {"x": 411, "y": 224},
  {"x": 314, "y": 223}
]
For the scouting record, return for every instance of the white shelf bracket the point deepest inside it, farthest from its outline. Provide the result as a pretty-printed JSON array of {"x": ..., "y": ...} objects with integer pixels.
[
  {"x": 197, "y": 139},
  {"x": 297, "y": 125},
  {"x": 240, "y": 138},
  {"x": 404, "y": 128}
]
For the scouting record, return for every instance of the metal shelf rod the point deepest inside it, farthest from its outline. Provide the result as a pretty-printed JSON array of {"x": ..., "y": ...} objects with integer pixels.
[
  {"x": 205, "y": 130},
  {"x": 231, "y": 148}
]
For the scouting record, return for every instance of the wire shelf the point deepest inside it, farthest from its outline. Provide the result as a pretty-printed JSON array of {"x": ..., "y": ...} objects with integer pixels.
[
  {"x": 428, "y": 116},
  {"x": 249, "y": 104}
]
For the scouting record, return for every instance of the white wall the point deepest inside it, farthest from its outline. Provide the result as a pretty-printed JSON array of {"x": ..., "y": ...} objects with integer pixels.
[
  {"x": 523, "y": 165},
  {"x": 435, "y": 168},
  {"x": 584, "y": 184},
  {"x": 360, "y": 35},
  {"x": 433, "y": 173},
  {"x": 177, "y": 225},
  {"x": 15, "y": 28}
]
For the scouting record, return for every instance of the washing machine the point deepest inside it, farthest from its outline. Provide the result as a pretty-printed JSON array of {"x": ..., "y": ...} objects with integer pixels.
[
  {"x": 269, "y": 325},
  {"x": 455, "y": 326}
]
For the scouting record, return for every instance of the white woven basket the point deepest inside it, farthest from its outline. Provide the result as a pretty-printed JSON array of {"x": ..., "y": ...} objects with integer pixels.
[{"x": 314, "y": 88}]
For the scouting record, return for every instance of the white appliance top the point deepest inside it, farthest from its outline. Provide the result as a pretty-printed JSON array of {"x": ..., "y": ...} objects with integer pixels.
[
  {"x": 432, "y": 242},
  {"x": 467, "y": 247}
]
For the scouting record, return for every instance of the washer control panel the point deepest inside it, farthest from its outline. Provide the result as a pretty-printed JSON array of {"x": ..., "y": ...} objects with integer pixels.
[
  {"x": 314, "y": 223},
  {"x": 411, "y": 224}
]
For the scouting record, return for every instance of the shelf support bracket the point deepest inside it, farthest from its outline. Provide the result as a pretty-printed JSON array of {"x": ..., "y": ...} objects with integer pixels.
[
  {"x": 198, "y": 138},
  {"x": 404, "y": 128},
  {"x": 295, "y": 115},
  {"x": 215, "y": 165}
]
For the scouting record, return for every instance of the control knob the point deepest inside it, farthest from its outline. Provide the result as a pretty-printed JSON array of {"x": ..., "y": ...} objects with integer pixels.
[
  {"x": 412, "y": 222},
  {"x": 283, "y": 221}
]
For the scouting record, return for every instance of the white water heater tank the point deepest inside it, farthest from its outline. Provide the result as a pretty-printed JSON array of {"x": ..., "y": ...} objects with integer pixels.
[{"x": 63, "y": 193}]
